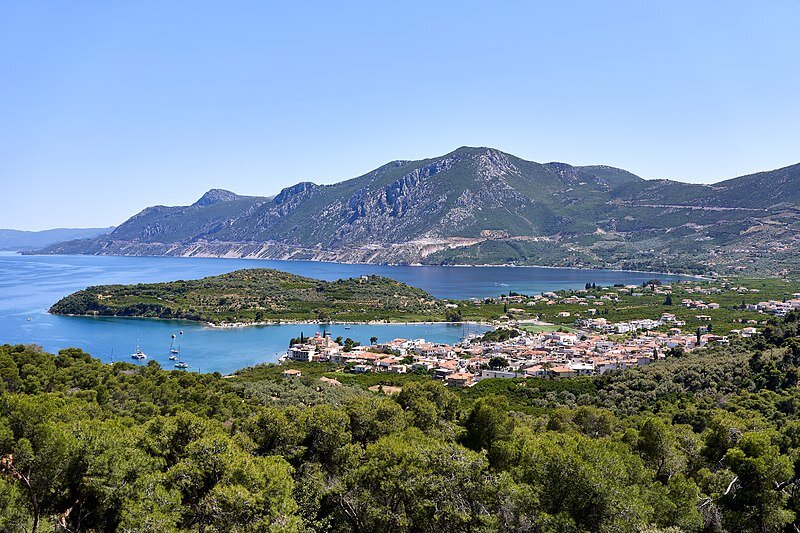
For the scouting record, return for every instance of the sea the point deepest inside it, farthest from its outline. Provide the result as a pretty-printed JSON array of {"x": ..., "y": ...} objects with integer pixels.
[{"x": 30, "y": 284}]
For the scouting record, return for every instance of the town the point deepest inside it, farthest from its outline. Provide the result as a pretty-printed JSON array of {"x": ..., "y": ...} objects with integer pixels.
[
  {"x": 527, "y": 347},
  {"x": 557, "y": 354}
]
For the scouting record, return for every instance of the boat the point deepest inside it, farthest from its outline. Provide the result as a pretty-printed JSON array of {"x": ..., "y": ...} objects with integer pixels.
[
  {"x": 138, "y": 354},
  {"x": 173, "y": 350},
  {"x": 182, "y": 365}
]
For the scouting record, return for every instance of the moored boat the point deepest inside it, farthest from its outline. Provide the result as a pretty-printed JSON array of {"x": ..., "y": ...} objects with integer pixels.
[{"x": 173, "y": 350}]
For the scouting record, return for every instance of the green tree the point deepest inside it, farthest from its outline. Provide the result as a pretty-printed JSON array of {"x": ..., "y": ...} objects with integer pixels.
[
  {"x": 676, "y": 505},
  {"x": 756, "y": 500},
  {"x": 490, "y": 427},
  {"x": 453, "y": 315},
  {"x": 327, "y": 436},
  {"x": 225, "y": 488},
  {"x": 656, "y": 445},
  {"x": 9, "y": 374},
  {"x": 498, "y": 362},
  {"x": 372, "y": 417},
  {"x": 151, "y": 507},
  {"x": 723, "y": 432},
  {"x": 429, "y": 406},
  {"x": 594, "y": 422},
  {"x": 14, "y": 515},
  {"x": 105, "y": 462},
  {"x": 410, "y": 482},
  {"x": 591, "y": 481},
  {"x": 277, "y": 431},
  {"x": 41, "y": 454}
]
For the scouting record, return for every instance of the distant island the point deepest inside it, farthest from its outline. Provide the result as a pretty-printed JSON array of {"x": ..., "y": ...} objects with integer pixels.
[
  {"x": 481, "y": 206},
  {"x": 19, "y": 240},
  {"x": 266, "y": 296}
]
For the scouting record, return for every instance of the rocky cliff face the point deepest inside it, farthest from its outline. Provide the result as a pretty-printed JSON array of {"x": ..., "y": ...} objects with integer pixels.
[{"x": 479, "y": 205}]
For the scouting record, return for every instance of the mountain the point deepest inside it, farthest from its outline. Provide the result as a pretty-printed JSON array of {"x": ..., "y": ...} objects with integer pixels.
[
  {"x": 16, "y": 240},
  {"x": 484, "y": 206}
]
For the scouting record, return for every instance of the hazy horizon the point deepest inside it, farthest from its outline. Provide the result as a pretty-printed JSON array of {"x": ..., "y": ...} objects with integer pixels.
[{"x": 113, "y": 108}]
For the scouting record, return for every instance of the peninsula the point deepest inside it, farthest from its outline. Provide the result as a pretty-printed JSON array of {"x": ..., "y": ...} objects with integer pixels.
[{"x": 254, "y": 296}]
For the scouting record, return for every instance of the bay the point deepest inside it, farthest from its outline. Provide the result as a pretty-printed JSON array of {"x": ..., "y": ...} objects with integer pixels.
[{"x": 29, "y": 285}]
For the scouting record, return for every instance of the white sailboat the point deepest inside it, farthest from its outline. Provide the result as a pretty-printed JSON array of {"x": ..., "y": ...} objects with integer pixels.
[
  {"x": 138, "y": 354},
  {"x": 173, "y": 351},
  {"x": 181, "y": 365}
]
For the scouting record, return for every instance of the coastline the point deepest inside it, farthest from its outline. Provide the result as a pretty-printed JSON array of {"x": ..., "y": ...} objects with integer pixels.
[
  {"x": 412, "y": 265},
  {"x": 234, "y": 325},
  {"x": 237, "y": 325}
]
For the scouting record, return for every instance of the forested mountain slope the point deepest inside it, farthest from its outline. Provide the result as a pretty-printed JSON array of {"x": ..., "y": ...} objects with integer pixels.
[{"x": 484, "y": 206}]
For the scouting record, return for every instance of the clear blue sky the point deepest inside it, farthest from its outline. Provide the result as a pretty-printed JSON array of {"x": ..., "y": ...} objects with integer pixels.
[{"x": 107, "y": 107}]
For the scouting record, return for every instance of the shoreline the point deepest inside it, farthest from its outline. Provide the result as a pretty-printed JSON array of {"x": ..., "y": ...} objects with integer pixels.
[
  {"x": 264, "y": 323},
  {"x": 235, "y": 325},
  {"x": 411, "y": 265}
]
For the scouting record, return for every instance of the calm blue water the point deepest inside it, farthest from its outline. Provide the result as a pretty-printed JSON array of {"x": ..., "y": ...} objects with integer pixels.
[{"x": 29, "y": 285}]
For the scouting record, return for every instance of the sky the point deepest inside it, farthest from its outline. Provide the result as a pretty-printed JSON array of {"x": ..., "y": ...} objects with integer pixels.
[{"x": 109, "y": 107}]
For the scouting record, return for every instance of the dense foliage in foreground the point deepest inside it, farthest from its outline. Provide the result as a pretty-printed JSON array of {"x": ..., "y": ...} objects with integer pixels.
[{"x": 708, "y": 442}]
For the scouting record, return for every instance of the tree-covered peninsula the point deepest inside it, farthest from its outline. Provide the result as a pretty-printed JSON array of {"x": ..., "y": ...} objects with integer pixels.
[{"x": 259, "y": 295}]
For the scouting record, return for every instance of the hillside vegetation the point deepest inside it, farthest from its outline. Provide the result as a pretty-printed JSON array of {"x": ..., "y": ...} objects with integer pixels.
[
  {"x": 484, "y": 206},
  {"x": 708, "y": 442},
  {"x": 258, "y": 295}
]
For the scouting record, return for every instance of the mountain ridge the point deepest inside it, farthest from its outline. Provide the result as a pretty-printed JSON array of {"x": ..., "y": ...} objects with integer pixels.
[
  {"x": 16, "y": 240},
  {"x": 479, "y": 205}
]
